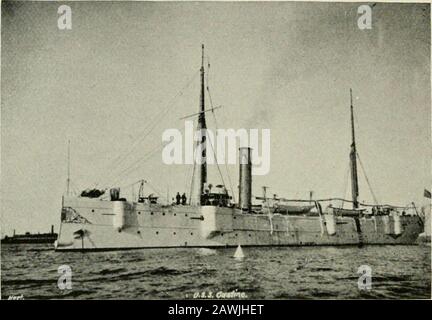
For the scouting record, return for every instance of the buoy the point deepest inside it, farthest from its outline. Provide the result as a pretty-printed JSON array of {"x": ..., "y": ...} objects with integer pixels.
[{"x": 239, "y": 253}]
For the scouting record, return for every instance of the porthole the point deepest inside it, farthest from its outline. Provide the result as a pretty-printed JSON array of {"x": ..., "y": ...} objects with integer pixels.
[
  {"x": 174, "y": 233},
  {"x": 157, "y": 232},
  {"x": 175, "y": 214},
  {"x": 191, "y": 233},
  {"x": 163, "y": 213},
  {"x": 151, "y": 213},
  {"x": 186, "y": 215},
  {"x": 139, "y": 232},
  {"x": 92, "y": 210}
]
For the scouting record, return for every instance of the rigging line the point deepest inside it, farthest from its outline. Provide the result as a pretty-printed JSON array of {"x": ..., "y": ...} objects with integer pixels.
[
  {"x": 367, "y": 180},
  {"x": 186, "y": 179},
  {"x": 340, "y": 199},
  {"x": 169, "y": 105},
  {"x": 142, "y": 159},
  {"x": 136, "y": 165},
  {"x": 133, "y": 166},
  {"x": 211, "y": 104},
  {"x": 189, "y": 176},
  {"x": 217, "y": 164},
  {"x": 216, "y": 125},
  {"x": 226, "y": 165},
  {"x": 345, "y": 184},
  {"x": 152, "y": 124},
  {"x": 192, "y": 184},
  {"x": 156, "y": 190},
  {"x": 211, "y": 143},
  {"x": 131, "y": 184},
  {"x": 361, "y": 164}
]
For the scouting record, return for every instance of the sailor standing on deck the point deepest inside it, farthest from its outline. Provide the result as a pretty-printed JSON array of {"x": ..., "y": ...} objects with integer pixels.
[{"x": 178, "y": 197}]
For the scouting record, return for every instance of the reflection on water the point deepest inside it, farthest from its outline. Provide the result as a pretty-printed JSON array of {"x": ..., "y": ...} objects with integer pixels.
[{"x": 272, "y": 273}]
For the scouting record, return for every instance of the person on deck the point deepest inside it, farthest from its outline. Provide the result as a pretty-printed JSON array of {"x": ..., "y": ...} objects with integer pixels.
[
  {"x": 183, "y": 199},
  {"x": 178, "y": 197}
]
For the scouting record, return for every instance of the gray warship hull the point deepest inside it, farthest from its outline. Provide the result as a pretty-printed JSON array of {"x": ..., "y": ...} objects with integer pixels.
[{"x": 93, "y": 224}]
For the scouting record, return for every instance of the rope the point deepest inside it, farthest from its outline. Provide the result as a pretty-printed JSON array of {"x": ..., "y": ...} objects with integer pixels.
[
  {"x": 367, "y": 180},
  {"x": 152, "y": 124},
  {"x": 155, "y": 190},
  {"x": 361, "y": 164},
  {"x": 133, "y": 166},
  {"x": 345, "y": 185},
  {"x": 127, "y": 186},
  {"x": 341, "y": 199},
  {"x": 217, "y": 165},
  {"x": 216, "y": 126},
  {"x": 211, "y": 104},
  {"x": 187, "y": 176},
  {"x": 192, "y": 185}
]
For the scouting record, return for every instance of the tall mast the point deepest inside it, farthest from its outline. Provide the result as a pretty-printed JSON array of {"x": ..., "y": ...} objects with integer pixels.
[
  {"x": 68, "y": 170},
  {"x": 353, "y": 160},
  {"x": 202, "y": 127}
]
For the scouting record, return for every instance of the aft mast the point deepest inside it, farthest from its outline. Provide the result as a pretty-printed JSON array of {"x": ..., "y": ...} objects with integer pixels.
[
  {"x": 201, "y": 156},
  {"x": 353, "y": 161}
]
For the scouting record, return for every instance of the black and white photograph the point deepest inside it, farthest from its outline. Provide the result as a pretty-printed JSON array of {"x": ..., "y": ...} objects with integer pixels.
[{"x": 215, "y": 150}]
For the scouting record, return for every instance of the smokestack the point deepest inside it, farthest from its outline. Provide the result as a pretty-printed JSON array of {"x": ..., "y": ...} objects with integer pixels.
[
  {"x": 245, "y": 187},
  {"x": 52, "y": 229}
]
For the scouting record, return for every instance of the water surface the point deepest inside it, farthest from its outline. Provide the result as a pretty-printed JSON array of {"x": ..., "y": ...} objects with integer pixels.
[{"x": 398, "y": 272}]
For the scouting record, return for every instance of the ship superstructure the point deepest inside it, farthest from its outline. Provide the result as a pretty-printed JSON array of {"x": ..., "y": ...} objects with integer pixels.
[{"x": 212, "y": 219}]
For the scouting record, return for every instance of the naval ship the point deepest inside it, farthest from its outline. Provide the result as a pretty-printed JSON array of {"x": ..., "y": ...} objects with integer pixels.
[
  {"x": 28, "y": 237},
  {"x": 213, "y": 220}
]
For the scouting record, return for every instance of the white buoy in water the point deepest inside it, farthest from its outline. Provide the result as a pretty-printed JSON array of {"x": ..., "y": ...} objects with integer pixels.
[{"x": 239, "y": 253}]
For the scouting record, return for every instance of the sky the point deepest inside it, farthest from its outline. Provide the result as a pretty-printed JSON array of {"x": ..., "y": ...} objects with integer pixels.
[{"x": 125, "y": 72}]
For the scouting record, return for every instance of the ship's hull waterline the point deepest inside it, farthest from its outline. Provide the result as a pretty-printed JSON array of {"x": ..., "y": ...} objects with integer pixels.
[{"x": 93, "y": 224}]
